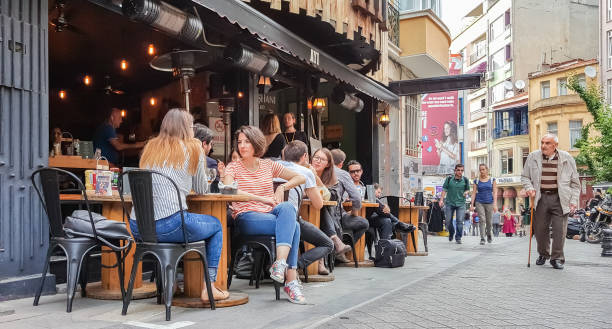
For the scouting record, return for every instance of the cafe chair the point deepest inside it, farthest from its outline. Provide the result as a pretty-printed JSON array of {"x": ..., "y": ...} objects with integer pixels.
[
  {"x": 46, "y": 182},
  {"x": 393, "y": 203},
  {"x": 168, "y": 255},
  {"x": 349, "y": 238}
]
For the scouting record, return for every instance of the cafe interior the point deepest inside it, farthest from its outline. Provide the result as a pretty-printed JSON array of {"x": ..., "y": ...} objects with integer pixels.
[{"x": 105, "y": 54}]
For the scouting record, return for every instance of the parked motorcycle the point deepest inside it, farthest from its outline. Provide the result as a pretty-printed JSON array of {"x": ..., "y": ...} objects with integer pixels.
[
  {"x": 599, "y": 219},
  {"x": 576, "y": 225}
]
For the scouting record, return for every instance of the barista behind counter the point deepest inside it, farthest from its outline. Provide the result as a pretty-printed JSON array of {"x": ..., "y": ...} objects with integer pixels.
[{"x": 105, "y": 138}]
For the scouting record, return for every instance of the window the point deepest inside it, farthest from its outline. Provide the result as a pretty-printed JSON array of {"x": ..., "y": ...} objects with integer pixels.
[
  {"x": 544, "y": 89},
  {"x": 525, "y": 152},
  {"x": 506, "y": 121},
  {"x": 498, "y": 60},
  {"x": 497, "y": 93},
  {"x": 480, "y": 136},
  {"x": 483, "y": 102},
  {"x": 609, "y": 9},
  {"x": 562, "y": 87},
  {"x": 609, "y": 50},
  {"x": 582, "y": 80},
  {"x": 552, "y": 128},
  {"x": 507, "y": 19},
  {"x": 508, "y": 53},
  {"x": 497, "y": 28},
  {"x": 575, "y": 127},
  {"x": 414, "y": 5},
  {"x": 609, "y": 89},
  {"x": 413, "y": 122},
  {"x": 409, "y": 5},
  {"x": 506, "y": 162}
]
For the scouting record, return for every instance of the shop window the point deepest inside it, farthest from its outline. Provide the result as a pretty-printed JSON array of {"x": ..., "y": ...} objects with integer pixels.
[
  {"x": 506, "y": 162},
  {"x": 575, "y": 127},
  {"x": 412, "y": 124},
  {"x": 544, "y": 89}
]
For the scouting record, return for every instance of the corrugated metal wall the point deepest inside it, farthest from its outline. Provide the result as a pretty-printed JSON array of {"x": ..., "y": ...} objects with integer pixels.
[{"x": 24, "y": 131}]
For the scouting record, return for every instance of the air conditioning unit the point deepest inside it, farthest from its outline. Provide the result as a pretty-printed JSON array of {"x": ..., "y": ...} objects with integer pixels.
[{"x": 489, "y": 76}]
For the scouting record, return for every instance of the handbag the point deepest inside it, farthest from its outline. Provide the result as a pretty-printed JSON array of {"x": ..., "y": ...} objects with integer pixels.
[
  {"x": 244, "y": 266},
  {"x": 79, "y": 225}
]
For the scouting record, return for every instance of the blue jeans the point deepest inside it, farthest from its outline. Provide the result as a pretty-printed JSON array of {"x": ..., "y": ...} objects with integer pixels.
[
  {"x": 459, "y": 212},
  {"x": 280, "y": 222},
  {"x": 199, "y": 227}
]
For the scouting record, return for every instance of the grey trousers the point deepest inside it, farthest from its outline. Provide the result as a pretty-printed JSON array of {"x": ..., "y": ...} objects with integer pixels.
[
  {"x": 549, "y": 214},
  {"x": 485, "y": 213}
]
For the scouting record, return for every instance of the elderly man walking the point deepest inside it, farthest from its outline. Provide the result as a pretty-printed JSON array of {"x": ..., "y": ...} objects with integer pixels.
[{"x": 551, "y": 177}]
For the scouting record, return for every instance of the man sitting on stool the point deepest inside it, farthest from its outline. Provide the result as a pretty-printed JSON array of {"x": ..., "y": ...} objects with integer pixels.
[{"x": 383, "y": 220}]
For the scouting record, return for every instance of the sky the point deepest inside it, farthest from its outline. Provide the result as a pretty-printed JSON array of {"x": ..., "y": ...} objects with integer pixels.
[{"x": 454, "y": 10}]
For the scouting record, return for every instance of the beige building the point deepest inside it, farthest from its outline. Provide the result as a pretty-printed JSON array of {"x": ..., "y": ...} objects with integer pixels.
[{"x": 554, "y": 108}]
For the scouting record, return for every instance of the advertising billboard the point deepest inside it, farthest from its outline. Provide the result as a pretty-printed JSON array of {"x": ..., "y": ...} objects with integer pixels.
[{"x": 441, "y": 149}]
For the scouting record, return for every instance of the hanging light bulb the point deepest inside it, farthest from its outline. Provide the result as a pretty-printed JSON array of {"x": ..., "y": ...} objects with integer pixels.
[
  {"x": 240, "y": 94},
  {"x": 123, "y": 113},
  {"x": 151, "y": 49},
  {"x": 87, "y": 80},
  {"x": 152, "y": 101},
  {"x": 62, "y": 94},
  {"x": 124, "y": 64},
  {"x": 384, "y": 120}
]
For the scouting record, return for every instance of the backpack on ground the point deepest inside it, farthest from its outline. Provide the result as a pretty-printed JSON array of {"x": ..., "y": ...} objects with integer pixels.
[{"x": 390, "y": 253}]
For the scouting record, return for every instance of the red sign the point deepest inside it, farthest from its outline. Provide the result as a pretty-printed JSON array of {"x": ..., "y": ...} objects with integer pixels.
[{"x": 439, "y": 132}]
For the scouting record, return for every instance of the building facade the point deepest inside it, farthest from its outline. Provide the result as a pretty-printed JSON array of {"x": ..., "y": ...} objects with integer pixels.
[
  {"x": 507, "y": 39},
  {"x": 605, "y": 48}
]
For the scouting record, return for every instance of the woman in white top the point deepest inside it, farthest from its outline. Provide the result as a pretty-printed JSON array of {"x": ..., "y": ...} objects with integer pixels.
[
  {"x": 448, "y": 148},
  {"x": 177, "y": 154}
]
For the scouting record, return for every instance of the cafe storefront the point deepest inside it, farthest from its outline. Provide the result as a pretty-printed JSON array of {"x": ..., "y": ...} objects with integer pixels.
[{"x": 64, "y": 64}]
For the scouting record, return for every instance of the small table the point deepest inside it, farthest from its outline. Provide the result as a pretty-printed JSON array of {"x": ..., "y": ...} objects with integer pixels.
[
  {"x": 313, "y": 216},
  {"x": 213, "y": 204},
  {"x": 360, "y": 244},
  {"x": 109, "y": 286},
  {"x": 410, "y": 214}
]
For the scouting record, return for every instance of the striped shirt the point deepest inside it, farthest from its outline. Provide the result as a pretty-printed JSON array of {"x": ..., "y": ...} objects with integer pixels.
[
  {"x": 165, "y": 200},
  {"x": 258, "y": 182},
  {"x": 549, "y": 172}
]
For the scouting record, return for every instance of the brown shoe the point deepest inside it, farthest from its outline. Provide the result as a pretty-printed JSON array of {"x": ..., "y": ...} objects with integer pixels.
[
  {"x": 322, "y": 269},
  {"x": 344, "y": 250},
  {"x": 342, "y": 259}
]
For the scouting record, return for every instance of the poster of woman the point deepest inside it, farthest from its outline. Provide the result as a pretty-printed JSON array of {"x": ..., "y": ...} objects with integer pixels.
[
  {"x": 441, "y": 149},
  {"x": 448, "y": 148}
]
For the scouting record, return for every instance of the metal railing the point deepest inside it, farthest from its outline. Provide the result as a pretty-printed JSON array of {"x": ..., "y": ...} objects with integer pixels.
[
  {"x": 515, "y": 130},
  {"x": 393, "y": 21}
]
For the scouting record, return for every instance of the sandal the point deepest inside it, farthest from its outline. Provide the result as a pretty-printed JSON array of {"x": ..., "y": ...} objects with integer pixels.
[{"x": 218, "y": 294}]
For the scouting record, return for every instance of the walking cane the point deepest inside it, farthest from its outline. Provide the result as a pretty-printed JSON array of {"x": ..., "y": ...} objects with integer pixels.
[{"x": 530, "y": 231}]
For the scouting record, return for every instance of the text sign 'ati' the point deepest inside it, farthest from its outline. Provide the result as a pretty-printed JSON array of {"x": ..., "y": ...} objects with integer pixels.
[{"x": 314, "y": 57}]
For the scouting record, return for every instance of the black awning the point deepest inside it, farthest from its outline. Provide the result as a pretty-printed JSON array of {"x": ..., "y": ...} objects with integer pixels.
[
  {"x": 248, "y": 18},
  {"x": 436, "y": 85}
]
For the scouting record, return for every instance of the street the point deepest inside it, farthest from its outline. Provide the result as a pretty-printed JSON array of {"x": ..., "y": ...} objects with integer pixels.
[{"x": 456, "y": 286}]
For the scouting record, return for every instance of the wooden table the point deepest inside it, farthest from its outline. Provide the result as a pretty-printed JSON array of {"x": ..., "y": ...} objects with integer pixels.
[
  {"x": 215, "y": 205},
  {"x": 108, "y": 287},
  {"x": 360, "y": 245},
  {"x": 313, "y": 216},
  {"x": 410, "y": 214},
  {"x": 75, "y": 162}
]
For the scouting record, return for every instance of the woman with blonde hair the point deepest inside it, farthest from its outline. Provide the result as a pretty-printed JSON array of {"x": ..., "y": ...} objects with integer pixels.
[
  {"x": 266, "y": 213},
  {"x": 177, "y": 154},
  {"x": 275, "y": 141},
  {"x": 484, "y": 196}
]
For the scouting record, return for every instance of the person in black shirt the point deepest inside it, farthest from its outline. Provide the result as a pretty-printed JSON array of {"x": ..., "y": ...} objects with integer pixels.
[
  {"x": 290, "y": 133},
  {"x": 274, "y": 139}
]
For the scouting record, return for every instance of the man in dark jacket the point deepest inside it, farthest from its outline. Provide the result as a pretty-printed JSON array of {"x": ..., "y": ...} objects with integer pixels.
[{"x": 383, "y": 220}]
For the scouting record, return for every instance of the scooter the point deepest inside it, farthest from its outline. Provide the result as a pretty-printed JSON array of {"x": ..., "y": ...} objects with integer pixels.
[{"x": 599, "y": 219}]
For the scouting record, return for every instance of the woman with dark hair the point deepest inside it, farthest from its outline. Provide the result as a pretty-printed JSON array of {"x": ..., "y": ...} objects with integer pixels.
[
  {"x": 266, "y": 213},
  {"x": 448, "y": 148},
  {"x": 275, "y": 141},
  {"x": 323, "y": 164}
]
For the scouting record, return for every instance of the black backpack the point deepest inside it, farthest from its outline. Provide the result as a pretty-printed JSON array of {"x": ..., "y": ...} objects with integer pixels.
[{"x": 390, "y": 253}]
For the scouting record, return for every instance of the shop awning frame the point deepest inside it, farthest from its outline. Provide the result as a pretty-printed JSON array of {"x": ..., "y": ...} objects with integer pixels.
[
  {"x": 436, "y": 85},
  {"x": 269, "y": 31}
]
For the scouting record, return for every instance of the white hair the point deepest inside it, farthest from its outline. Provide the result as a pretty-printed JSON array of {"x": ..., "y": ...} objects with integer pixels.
[{"x": 553, "y": 136}]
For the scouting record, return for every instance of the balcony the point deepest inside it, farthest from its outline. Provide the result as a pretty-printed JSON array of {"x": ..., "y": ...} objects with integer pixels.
[
  {"x": 424, "y": 43},
  {"x": 515, "y": 130},
  {"x": 478, "y": 145}
]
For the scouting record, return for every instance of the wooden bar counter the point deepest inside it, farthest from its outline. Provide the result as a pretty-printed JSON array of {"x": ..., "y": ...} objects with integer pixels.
[
  {"x": 313, "y": 216},
  {"x": 108, "y": 287},
  {"x": 410, "y": 214}
]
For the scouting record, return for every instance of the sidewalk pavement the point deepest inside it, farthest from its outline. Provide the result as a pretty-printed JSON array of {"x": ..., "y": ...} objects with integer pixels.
[{"x": 455, "y": 286}]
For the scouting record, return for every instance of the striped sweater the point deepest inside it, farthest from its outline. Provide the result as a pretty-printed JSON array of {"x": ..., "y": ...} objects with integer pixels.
[{"x": 549, "y": 172}]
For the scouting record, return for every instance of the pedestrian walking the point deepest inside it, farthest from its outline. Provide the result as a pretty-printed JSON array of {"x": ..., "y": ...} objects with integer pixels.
[
  {"x": 454, "y": 191},
  {"x": 484, "y": 200},
  {"x": 476, "y": 225},
  {"x": 509, "y": 227},
  {"x": 550, "y": 176},
  {"x": 495, "y": 220}
]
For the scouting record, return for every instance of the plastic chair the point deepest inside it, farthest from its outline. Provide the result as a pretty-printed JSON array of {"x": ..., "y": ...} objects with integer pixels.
[
  {"x": 168, "y": 255},
  {"x": 76, "y": 248}
]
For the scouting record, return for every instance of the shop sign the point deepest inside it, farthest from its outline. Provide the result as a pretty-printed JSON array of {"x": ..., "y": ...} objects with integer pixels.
[
  {"x": 267, "y": 103},
  {"x": 218, "y": 142},
  {"x": 333, "y": 132},
  {"x": 508, "y": 180}
]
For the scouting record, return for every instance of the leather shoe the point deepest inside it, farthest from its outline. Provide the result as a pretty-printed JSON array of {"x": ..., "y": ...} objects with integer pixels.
[
  {"x": 556, "y": 264},
  {"x": 342, "y": 259},
  {"x": 541, "y": 260},
  {"x": 404, "y": 227}
]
